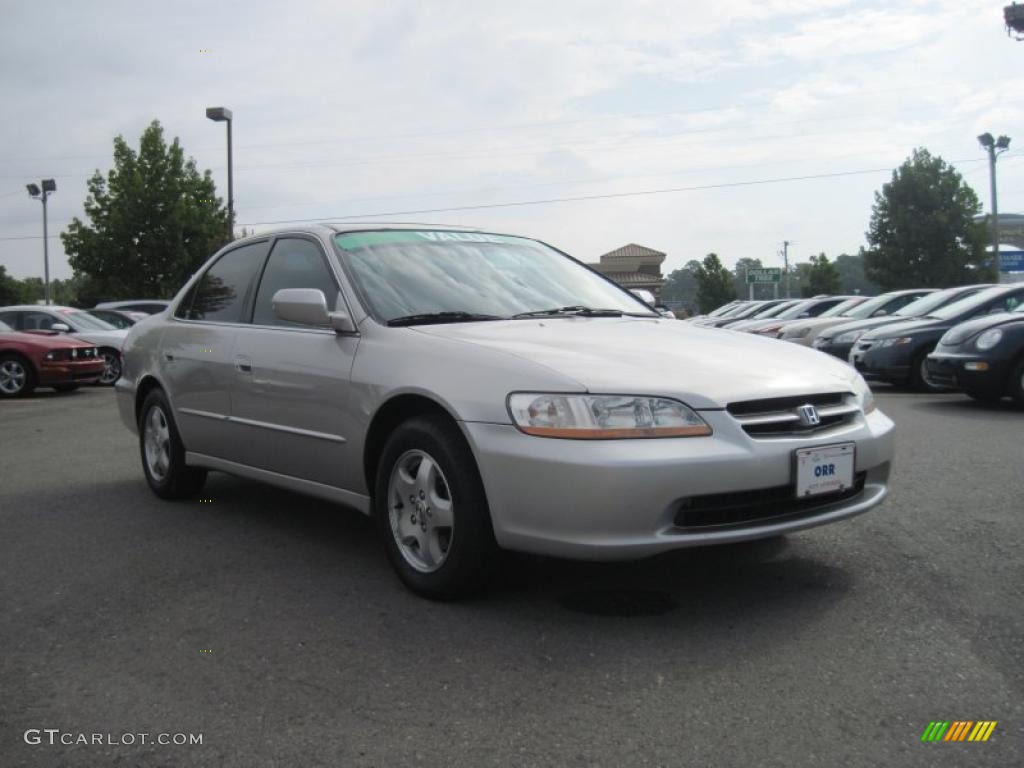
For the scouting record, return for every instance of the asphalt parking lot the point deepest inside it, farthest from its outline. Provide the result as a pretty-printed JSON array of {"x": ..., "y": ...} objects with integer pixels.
[{"x": 272, "y": 625}]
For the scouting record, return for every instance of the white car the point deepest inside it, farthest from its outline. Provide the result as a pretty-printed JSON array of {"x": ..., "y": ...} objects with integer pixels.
[{"x": 78, "y": 323}]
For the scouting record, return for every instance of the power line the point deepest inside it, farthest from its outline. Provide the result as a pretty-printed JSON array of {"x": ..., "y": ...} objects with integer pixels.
[{"x": 577, "y": 198}]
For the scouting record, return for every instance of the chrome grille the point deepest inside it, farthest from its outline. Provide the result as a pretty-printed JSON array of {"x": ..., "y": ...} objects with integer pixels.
[{"x": 781, "y": 417}]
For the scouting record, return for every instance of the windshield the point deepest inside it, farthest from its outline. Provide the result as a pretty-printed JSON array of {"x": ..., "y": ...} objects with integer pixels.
[
  {"x": 794, "y": 310},
  {"x": 776, "y": 310},
  {"x": 957, "y": 308},
  {"x": 926, "y": 304},
  {"x": 402, "y": 273},
  {"x": 723, "y": 310},
  {"x": 869, "y": 307},
  {"x": 843, "y": 308},
  {"x": 85, "y": 320}
]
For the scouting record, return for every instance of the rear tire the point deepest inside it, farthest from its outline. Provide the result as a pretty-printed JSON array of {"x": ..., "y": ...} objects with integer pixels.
[
  {"x": 431, "y": 510},
  {"x": 162, "y": 452},
  {"x": 17, "y": 377},
  {"x": 918, "y": 372},
  {"x": 983, "y": 397}
]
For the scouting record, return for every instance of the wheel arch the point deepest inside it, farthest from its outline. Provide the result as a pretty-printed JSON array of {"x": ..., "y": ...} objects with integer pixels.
[
  {"x": 388, "y": 416},
  {"x": 146, "y": 385}
]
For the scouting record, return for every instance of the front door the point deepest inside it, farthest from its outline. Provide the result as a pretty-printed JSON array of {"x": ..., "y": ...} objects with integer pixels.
[{"x": 291, "y": 401}]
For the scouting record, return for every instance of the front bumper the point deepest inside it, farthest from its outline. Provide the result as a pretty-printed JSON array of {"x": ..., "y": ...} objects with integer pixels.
[
  {"x": 960, "y": 371},
  {"x": 882, "y": 363},
  {"x": 124, "y": 393},
  {"x": 842, "y": 351},
  {"x": 70, "y": 372},
  {"x": 622, "y": 499}
]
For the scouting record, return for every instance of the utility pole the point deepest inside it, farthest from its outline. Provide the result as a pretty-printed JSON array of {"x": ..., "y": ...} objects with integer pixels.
[
  {"x": 994, "y": 147},
  {"x": 785, "y": 261},
  {"x": 49, "y": 186}
]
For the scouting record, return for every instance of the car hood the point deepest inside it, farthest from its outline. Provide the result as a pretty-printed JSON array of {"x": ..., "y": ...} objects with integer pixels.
[
  {"x": 707, "y": 368},
  {"x": 44, "y": 339},
  {"x": 970, "y": 328},
  {"x": 908, "y": 327},
  {"x": 864, "y": 325},
  {"x": 113, "y": 338}
]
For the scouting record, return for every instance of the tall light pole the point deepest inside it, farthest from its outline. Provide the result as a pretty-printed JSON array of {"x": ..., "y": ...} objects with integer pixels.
[
  {"x": 223, "y": 115},
  {"x": 994, "y": 147},
  {"x": 49, "y": 187}
]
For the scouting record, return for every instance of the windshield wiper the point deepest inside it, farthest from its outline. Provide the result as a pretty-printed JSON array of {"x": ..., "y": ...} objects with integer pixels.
[
  {"x": 571, "y": 311},
  {"x": 428, "y": 318}
]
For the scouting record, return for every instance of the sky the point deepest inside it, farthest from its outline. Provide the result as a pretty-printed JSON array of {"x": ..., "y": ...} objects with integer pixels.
[{"x": 727, "y": 126}]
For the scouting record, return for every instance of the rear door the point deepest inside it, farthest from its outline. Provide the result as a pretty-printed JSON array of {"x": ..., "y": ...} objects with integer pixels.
[
  {"x": 291, "y": 399},
  {"x": 197, "y": 350}
]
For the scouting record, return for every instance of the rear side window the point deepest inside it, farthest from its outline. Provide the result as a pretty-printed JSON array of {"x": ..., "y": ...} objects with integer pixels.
[
  {"x": 221, "y": 293},
  {"x": 294, "y": 263}
]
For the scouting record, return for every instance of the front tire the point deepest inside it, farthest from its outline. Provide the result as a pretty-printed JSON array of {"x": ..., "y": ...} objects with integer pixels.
[
  {"x": 431, "y": 510},
  {"x": 111, "y": 367},
  {"x": 163, "y": 454},
  {"x": 919, "y": 373},
  {"x": 1016, "y": 388},
  {"x": 17, "y": 378}
]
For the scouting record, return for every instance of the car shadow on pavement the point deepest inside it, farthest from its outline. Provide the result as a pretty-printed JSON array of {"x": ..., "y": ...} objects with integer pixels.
[{"x": 726, "y": 583}]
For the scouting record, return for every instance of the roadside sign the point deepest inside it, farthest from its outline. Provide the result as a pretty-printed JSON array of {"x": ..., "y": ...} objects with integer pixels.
[
  {"x": 765, "y": 275},
  {"x": 1011, "y": 261}
]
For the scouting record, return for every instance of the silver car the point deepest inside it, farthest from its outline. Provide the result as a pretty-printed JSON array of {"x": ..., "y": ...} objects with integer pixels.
[{"x": 476, "y": 392}]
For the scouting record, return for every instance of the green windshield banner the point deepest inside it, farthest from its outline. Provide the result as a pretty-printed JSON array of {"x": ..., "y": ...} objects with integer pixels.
[{"x": 352, "y": 240}]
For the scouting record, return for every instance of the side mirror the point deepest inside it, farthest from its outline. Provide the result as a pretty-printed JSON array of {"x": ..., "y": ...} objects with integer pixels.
[
  {"x": 62, "y": 327},
  {"x": 308, "y": 306}
]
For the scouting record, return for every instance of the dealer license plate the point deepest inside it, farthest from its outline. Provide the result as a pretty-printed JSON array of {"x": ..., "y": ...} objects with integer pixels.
[{"x": 824, "y": 469}]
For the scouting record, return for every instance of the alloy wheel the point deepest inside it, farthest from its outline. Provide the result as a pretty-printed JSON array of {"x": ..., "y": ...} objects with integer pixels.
[
  {"x": 111, "y": 368},
  {"x": 12, "y": 377},
  {"x": 420, "y": 511},
  {"x": 157, "y": 443}
]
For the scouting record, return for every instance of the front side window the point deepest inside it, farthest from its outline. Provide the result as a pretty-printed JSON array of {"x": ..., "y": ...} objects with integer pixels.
[
  {"x": 221, "y": 293},
  {"x": 294, "y": 263},
  {"x": 404, "y": 272}
]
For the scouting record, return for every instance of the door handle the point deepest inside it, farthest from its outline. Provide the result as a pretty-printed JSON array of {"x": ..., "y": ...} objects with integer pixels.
[{"x": 243, "y": 364}]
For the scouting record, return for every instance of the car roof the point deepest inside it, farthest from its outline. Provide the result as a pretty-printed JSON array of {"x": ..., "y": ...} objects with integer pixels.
[
  {"x": 39, "y": 307},
  {"x": 327, "y": 229}
]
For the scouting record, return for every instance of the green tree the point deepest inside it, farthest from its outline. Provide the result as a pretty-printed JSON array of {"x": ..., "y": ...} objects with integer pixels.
[
  {"x": 822, "y": 276},
  {"x": 10, "y": 289},
  {"x": 681, "y": 285},
  {"x": 851, "y": 275},
  {"x": 714, "y": 284},
  {"x": 922, "y": 231},
  {"x": 153, "y": 220}
]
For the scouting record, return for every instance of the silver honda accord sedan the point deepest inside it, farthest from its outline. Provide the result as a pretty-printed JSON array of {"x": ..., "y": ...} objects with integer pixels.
[{"x": 475, "y": 392}]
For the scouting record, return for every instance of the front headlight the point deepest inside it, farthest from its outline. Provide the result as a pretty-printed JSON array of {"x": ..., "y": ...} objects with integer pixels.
[
  {"x": 865, "y": 397},
  {"x": 896, "y": 341},
  {"x": 850, "y": 337},
  {"x": 989, "y": 339},
  {"x": 603, "y": 417}
]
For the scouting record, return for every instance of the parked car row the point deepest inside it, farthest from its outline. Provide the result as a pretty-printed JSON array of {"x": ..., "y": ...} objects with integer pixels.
[
  {"x": 969, "y": 337},
  {"x": 63, "y": 347}
]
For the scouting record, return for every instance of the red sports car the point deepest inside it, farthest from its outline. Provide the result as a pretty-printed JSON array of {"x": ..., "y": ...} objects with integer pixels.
[{"x": 45, "y": 359}]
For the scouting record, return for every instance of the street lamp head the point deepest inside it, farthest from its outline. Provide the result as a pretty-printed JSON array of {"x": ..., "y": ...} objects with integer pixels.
[
  {"x": 33, "y": 189},
  {"x": 219, "y": 114},
  {"x": 1003, "y": 142},
  {"x": 986, "y": 140},
  {"x": 49, "y": 185}
]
